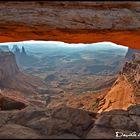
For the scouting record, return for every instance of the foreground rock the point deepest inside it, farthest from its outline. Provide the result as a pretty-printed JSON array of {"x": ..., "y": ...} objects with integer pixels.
[
  {"x": 34, "y": 122},
  {"x": 13, "y": 131},
  {"x": 108, "y": 123},
  {"x": 65, "y": 122}
]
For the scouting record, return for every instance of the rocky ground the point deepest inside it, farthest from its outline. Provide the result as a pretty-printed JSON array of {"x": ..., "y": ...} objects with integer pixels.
[{"x": 66, "y": 122}]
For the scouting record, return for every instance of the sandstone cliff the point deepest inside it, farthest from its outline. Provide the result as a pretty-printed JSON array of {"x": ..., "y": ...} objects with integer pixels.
[
  {"x": 126, "y": 90},
  {"x": 8, "y": 66},
  {"x": 11, "y": 77}
]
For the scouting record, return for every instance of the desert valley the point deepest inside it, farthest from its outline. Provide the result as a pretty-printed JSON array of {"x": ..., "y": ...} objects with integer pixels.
[{"x": 76, "y": 79}]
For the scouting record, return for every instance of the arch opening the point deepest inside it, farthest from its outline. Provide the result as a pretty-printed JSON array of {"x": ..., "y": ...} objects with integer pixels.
[{"x": 65, "y": 67}]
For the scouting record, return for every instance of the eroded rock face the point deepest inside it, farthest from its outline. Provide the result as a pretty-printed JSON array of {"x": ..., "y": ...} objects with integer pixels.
[
  {"x": 11, "y": 77},
  {"x": 120, "y": 96},
  {"x": 74, "y": 15},
  {"x": 71, "y": 21},
  {"x": 126, "y": 90},
  {"x": 8, "y": 66}
]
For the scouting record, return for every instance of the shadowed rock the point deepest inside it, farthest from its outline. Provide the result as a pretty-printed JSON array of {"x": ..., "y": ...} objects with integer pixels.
[
  {"x": 13, "y": 131},
  {"x": 10, "y": 104}
]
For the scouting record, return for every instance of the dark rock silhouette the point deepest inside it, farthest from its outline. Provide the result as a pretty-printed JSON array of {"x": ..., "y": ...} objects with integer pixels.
[
  {"x": 131, "y": 52},
  {"x": 23, "y": 52},
  {"x": 7, "y": 103}
]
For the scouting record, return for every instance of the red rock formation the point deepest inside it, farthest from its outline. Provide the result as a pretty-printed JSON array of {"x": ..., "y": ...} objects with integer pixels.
[
  {"x": 8, "y": 66},
  {"x": 121, "y": 96},
  {"x": 73, "y": 22},
  {"x": 11, "y": 77},
  {"x": 126, "y": 90}
]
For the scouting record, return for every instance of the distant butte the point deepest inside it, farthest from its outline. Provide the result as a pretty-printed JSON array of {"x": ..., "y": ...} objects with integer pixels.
[{"x": 72, "y": 22}]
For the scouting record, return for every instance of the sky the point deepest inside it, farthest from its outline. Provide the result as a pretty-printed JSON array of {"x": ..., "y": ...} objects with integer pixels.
[{"x": 63, "y": 44}]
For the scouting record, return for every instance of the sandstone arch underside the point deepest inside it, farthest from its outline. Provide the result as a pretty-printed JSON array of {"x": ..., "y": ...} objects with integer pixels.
[{"x": 71, "y": 21}]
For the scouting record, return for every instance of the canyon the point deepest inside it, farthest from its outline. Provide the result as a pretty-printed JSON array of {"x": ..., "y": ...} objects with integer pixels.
[
  {"x": 27, "y": 113},
  {"x": 88, "y": 115}
]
